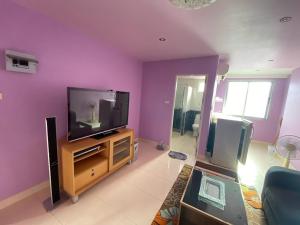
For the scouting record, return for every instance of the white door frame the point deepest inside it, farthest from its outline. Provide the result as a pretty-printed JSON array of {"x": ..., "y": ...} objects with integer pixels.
[{"x": 202, "y": 106}]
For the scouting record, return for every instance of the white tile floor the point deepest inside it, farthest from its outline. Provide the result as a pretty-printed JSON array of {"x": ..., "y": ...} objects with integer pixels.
[
  {"x": 184, "y": 143},
  {"x": 131, "y": 196},
  {"x": 252, "y": 173},
  {"x": 259, "y": 160}
]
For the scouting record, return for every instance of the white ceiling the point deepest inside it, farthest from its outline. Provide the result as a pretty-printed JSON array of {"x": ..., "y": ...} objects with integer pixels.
[{"x": 246, "y": 34}]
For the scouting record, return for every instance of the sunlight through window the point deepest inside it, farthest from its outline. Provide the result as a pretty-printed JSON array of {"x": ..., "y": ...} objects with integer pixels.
[{"x": 249, "y": 99}]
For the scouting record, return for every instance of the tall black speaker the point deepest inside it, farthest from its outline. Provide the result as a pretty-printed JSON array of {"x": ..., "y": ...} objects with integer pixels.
[{"x": 52, "y": 159}]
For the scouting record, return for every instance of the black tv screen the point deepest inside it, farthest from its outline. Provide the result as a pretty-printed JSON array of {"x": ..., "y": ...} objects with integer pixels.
[{"x": 92, "y": 112}]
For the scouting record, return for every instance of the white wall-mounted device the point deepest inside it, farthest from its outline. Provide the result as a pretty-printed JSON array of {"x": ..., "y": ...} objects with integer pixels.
[
  {"x": 222, "y": 71},
  {"x": 20, "y": 62}
]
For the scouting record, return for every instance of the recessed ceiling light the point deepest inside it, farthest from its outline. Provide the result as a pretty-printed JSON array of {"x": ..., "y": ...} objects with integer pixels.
[
  {"x": 162, "y": 39},
  {"x": 285, "y": 19}
]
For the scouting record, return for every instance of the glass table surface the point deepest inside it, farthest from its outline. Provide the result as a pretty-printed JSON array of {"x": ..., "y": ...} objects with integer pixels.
[{"x": 234, "y": 210}]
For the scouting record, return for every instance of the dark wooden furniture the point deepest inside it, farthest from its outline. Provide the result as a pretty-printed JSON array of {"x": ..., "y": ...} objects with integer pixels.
[
  {"x": 194, "y": 211},
  {"x": 218, "y": 170}
]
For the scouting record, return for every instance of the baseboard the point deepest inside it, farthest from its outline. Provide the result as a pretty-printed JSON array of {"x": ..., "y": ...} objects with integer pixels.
[
  {"x": 22, "y": 195},
  {"x": 151, "y": 142},
  {"x": 261, "y": 142},
  {"x": 147, "y": 141}
]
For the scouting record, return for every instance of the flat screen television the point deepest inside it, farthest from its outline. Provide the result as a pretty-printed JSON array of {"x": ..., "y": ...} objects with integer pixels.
[{"x": 95, "y": 112}]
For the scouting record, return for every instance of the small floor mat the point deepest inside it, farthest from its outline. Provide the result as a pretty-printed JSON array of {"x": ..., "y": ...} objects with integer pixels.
[{"x": 177, "y": 155}]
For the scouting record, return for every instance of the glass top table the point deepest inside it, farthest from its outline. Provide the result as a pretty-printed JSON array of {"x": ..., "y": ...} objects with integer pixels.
[{"x": 234, "y": 210}]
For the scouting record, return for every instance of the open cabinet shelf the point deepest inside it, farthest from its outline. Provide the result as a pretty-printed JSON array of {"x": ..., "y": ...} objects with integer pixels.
[
  {"x": 94, "y": 151},
  {"x": 87, "y": 164}
]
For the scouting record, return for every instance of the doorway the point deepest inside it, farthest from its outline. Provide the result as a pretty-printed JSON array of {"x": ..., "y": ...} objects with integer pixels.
[{"x": 187, "y": 107}]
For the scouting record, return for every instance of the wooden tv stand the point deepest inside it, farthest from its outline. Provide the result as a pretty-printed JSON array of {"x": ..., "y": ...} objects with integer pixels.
[{"x": 86, "y": 162}]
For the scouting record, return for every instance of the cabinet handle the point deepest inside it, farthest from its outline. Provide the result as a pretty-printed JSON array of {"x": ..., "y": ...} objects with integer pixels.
[{"x": 92, "y": 174}]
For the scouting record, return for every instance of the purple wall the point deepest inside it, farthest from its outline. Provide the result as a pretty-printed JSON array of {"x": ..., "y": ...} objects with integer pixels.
[
  {"x": 159, "y": 80},
  {"x": 67, "y": 58},
  {"x": 291, "y": 122},
  {"x": 264, "y": 129}
]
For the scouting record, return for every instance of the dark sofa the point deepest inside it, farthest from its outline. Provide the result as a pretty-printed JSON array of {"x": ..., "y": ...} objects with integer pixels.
[{"x": 281, "y": 196}]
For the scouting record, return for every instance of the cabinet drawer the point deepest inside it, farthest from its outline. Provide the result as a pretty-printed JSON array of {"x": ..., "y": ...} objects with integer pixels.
[{"x": 89, "y": 175}]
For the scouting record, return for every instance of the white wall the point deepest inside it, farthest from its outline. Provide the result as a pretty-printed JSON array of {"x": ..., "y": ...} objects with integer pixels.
[{"x": 195, "y": 101}]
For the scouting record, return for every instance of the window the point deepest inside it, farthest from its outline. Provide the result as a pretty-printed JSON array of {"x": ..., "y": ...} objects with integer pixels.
[{"x": 249, "y": 99}]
